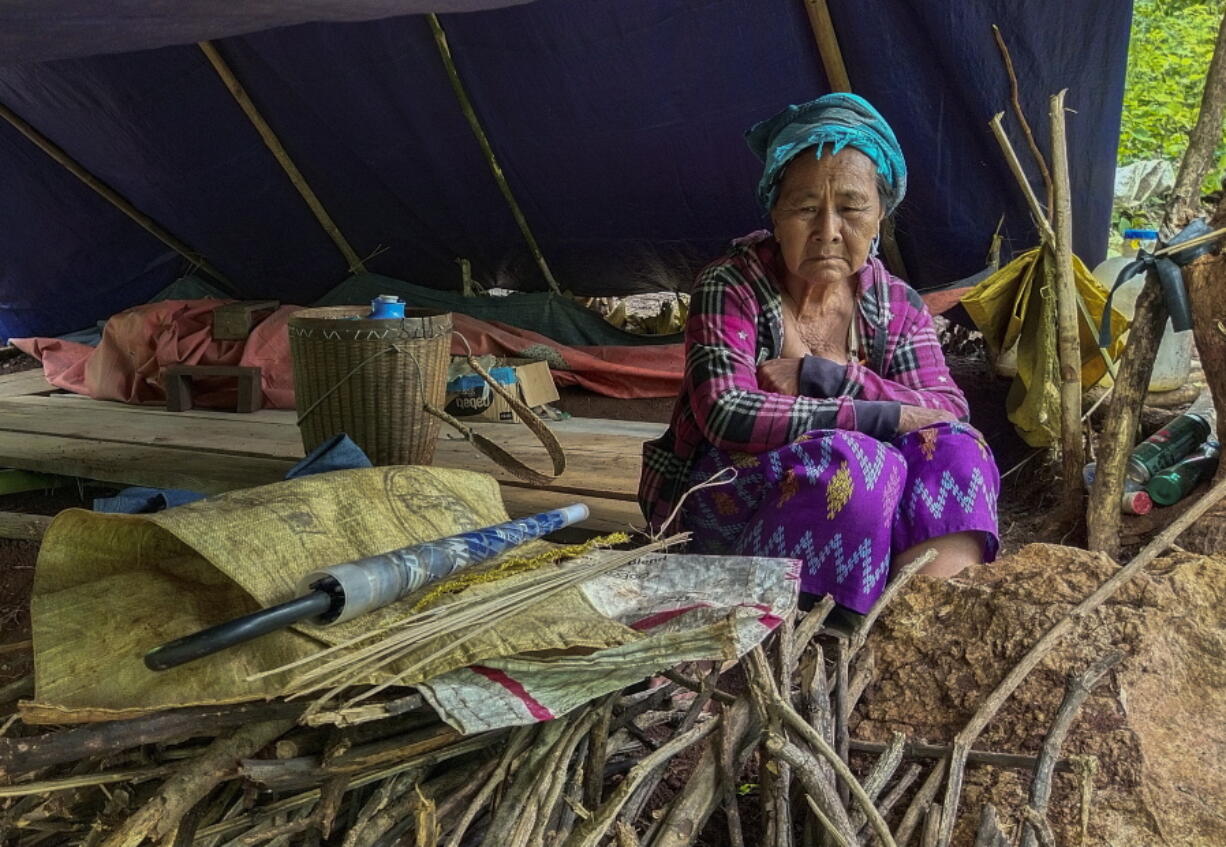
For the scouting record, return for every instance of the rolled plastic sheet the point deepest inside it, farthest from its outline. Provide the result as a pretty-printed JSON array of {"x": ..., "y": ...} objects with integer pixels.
[{"x": 376, "y": 581}]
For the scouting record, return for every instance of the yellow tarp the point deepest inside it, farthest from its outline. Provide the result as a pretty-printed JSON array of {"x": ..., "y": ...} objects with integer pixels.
[
  {"x": 1017, "y": 306},
  {"x": 108, "y": 588}
]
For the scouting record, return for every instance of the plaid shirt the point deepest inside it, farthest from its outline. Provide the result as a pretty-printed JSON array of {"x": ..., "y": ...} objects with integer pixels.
[{"x": 736, "y": 324}]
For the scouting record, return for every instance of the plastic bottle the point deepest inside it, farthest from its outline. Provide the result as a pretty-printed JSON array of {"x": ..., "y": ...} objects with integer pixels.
[
  {"x": 386, "y": 306},
  {"x": 1134, "y": 501},
  {"x": 1168, "y": 445},
  {"x": 1174, "y": 483},
  {"x": 1174, "y": 358}
]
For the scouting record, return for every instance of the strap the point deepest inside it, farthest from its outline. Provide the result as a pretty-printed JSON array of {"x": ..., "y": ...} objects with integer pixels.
[
  {"x": 529, "y": 418},
  {"x": 1170, "y": 278}
]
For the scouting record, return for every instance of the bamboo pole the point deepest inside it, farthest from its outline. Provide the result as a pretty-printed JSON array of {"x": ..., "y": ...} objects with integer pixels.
[
  {"x": 1149, "y": 318},
  {"x": 115, "y": 198},
  {"x": 828, "y": 45},
  {"x": 273, "y": 143},
  {"x": 836, "y": 74},
  {"x": 1072, "y": 449},
  {"x": 474, "y": 123}
]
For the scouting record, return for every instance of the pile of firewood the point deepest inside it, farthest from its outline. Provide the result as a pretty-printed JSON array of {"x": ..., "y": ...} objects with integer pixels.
[{"x": 767, "y": 740}]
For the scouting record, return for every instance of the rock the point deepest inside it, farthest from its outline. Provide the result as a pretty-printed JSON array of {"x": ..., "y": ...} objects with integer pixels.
[{"x": 1156, "y": 725}]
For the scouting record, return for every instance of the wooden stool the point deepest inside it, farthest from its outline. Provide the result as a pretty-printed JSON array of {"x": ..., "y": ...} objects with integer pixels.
[{"x": 179, "y": 385}]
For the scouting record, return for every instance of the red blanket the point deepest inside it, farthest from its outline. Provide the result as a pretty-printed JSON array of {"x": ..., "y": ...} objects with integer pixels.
[{"x": 139, "y": 343}]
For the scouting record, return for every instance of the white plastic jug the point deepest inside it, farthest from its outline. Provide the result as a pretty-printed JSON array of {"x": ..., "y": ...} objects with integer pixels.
[{"x": 1174, "y": 360}]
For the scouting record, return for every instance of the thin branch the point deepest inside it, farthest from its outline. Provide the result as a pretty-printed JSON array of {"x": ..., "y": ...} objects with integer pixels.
[
  {"x": 1079, "y": 688},
  {"x": 1015, "y": 98}
]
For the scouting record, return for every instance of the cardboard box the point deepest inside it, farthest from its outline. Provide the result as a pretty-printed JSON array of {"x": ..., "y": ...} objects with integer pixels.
[{"x": 468, "y": 397}]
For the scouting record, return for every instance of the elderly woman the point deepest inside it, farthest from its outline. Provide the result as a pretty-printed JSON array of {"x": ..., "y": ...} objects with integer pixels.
[{"x": 819, "y": 378}]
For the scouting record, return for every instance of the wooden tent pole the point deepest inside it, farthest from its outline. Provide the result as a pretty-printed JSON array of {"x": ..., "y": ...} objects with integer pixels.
[
  {"x": 115, "y": 198},
  {"x": 828, "y": 44},
  {"x": 1149, "y": 318},
  {"x": 457, "y": 85},
  {"x": 836, "y": 74},
  {"x": 283, "y": 158},
  {"x": 1072, "y": 449}
]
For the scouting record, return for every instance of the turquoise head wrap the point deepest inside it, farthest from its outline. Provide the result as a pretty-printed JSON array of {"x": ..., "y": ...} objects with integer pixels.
[{"x": 841, "y": 120}]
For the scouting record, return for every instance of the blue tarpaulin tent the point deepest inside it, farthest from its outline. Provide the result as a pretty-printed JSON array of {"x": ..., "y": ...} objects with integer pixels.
[{"x": 618, "y": 123}]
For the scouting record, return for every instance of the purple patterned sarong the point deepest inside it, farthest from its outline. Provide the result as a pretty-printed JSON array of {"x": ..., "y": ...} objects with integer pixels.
[{"x": 843, "y": 503}]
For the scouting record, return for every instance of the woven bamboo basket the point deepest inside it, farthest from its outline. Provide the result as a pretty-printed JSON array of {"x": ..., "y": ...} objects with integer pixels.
[{"x": 371, "y": 379}]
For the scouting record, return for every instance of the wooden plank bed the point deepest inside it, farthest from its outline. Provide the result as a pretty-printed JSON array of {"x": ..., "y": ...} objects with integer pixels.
[{"x": 218, "y": 451}]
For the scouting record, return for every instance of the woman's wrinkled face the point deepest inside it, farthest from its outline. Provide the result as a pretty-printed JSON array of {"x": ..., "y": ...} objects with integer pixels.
[{"x": 827, "y": 214}]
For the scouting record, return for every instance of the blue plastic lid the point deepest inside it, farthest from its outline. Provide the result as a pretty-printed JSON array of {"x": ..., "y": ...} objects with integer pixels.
[{"x": 1142, "y": 234}]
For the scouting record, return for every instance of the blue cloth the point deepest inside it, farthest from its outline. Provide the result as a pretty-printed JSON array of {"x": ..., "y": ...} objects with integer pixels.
[
  {"x": 841, "y": 120},
  {"x": 338, "y": 453},
  {"x": 139, "y": 500}
]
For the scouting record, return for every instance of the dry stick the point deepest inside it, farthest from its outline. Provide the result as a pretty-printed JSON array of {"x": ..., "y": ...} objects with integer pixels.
[
  {"x": 18, "y": 688},
  {"x": 598, "y": 754},
  {"x": 932, "y": 826},
  {"x": 1072, "y": 450},
  {"x": 474, "y": 123},
  {"x": 988, "y": 834},
  {"x": 866, "y": 671},
  {"x": 1015, "y": 99},
  {"x": 115, "y": 198},
  {"x": 1037, "y": 824},
  {"x": 19, "y": 755},
  {"x": 520, "y": 799},
  {"x": 517, "y": 742},
  {"x": 827, "y": 807},
  {"x": 887, "y": 804},
  {"x": 697, "y": 799},
  {"x": 782, "y": 782},
  {"x": 673, "y": 675},
  {"x": 1015, "y": 166},
  {"x": 919, "y": 803},
  {"x": 808, "y": 627},
  {"x": 273, "y": 143},
  {"x": 1079, "y": 688},
  {"x": 1149, "y": 317},
  {"x": 699, "y": 704},
  {"x": 590, "y": 832},
  {"x": 725, "y": 757},
  {"x": 919, "y": 750},
  {"x": 814, "y": 739},
  {"x": 561, "y": 774},
  {"x": 1120, "y": 422},
  {"x": 842, "y": 710},
  {"x": 50, "y": 786},
  {"x": 860, "y": 635},
  {"x": 193, "y": 780},
  {"x": 879, "y": 775},
  {"x": 1049, "y": 640}
]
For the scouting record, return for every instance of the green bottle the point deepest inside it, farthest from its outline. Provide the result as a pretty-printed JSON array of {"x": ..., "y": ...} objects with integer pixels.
[
  {"x": 1167, "y": 446},
  {"x": 1174, "y": 483}
]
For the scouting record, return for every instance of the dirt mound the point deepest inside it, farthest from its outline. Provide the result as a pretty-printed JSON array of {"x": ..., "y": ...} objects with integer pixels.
[{"x": 1155, "y": 727}]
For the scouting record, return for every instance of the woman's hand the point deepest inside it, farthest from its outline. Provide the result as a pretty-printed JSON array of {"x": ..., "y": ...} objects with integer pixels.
[
  {"x": 917, "y": 417},
  {"x": 780, "y": 376}
]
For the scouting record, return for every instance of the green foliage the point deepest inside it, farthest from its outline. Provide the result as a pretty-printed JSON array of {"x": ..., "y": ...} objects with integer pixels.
[{"x": 1172, "y": 43}]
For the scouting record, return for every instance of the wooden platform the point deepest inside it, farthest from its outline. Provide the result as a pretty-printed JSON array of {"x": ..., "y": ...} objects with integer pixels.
[{"x": 218, "y": 451}]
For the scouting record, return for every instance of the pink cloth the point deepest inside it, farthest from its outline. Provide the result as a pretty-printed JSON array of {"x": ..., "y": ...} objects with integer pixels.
[{"x": 139, "y": 343}]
